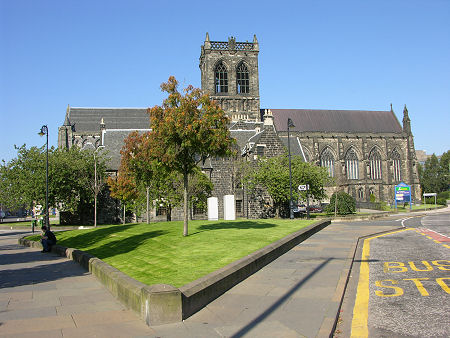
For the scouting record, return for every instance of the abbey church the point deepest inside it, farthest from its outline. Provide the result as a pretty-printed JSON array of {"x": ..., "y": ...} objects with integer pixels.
[{"x": 366, "y": 152}]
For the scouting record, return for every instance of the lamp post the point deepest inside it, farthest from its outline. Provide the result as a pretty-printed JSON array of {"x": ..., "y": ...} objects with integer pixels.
[
  {"x": 291, "y": 207},
  {"x": 44, "y": 131},
  {"x": 95, "y": 186}
]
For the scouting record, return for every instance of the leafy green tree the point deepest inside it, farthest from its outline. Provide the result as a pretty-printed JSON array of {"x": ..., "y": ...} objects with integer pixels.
[
  {"x": 344, "y": 205},
  {"x": 273, "y": 175},
  {"x": 434, "y": 175},
  {"x": 71, "y": 176},
  {"x": 186, "y": 130},
  {"x": 22, "y": 180}
]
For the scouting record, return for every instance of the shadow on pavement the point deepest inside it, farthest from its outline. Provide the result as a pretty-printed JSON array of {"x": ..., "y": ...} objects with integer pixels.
[
  {"x": 242, "y": 332},
  {"x": 23, "y": 257},
  {"x": 39, "y": 274}
]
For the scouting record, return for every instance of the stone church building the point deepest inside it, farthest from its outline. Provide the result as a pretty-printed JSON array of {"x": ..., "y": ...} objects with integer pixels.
[{"x": 366, "y": 152}]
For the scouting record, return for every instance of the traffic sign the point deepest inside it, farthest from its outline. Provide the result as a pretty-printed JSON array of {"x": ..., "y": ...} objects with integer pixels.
[{"x": 303, "y": 187}]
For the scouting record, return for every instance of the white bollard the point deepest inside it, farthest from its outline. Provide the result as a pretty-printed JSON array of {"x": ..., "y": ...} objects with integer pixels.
[
  {"x": 213, "y": 209},
  {"x": 229, "y": 209}
]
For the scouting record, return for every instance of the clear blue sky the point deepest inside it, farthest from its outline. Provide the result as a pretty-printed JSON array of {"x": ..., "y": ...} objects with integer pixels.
[{"x": 313, "y": 54}]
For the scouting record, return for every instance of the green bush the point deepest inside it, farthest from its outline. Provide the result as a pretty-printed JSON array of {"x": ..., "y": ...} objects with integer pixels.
[
  {"x": 345, "y": 204},
  {"x": 444, "y": 195},
  {"x": 441, "y": 199}
]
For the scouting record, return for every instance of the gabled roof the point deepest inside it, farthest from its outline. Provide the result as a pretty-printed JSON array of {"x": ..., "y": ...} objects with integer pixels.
[
  {"x": 242, "y": 136},
  {"x": 88, "y": 119},
  {"x": 337, "y": 121},
  {"x": 114, "y": 141}
]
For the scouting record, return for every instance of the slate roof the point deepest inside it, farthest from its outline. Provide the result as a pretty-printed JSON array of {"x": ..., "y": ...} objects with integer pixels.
[
  {"x": 338, "y": 121},
  {"x": 295, "y": 145},
  {"x": 245, "y": 125},
  {"x": 242, "y": 137},
  {"x": 114, "y": 141},
  {"x": 88, "y": 119}
]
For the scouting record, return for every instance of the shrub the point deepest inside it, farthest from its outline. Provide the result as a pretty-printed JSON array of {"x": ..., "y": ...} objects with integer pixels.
[{"x": 345, "y": 204}]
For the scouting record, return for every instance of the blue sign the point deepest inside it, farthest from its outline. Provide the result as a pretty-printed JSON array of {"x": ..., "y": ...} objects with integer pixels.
[{"x": 402, "y": 194}]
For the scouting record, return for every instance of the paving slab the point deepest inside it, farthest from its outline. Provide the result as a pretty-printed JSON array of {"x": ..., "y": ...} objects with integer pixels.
[{"x": 43, "y": 294}]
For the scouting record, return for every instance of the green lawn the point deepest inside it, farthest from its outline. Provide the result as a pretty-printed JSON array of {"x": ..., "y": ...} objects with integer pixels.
[{"x": 158, "y": 253}]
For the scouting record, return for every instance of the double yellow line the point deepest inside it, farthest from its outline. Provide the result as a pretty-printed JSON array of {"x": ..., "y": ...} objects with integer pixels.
[{"x": 361, "y": 308}]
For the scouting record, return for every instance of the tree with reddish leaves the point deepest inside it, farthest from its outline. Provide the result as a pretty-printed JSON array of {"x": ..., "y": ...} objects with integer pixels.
[
  {"x": 186, "y": 129},
  {"x": 123, "y": 187}
]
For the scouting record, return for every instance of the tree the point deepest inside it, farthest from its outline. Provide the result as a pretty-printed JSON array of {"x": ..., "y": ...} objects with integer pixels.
[
  {"x": 273, "y": 174},
  {"x": 123, "y": 187},
  {"x": 344, "y": 205},
  {"x": 186, "y": 130},
  {"x": 22, "y": 180},
  {"x": 434, "y": 175},
  {"x": 71, "y": 175}
]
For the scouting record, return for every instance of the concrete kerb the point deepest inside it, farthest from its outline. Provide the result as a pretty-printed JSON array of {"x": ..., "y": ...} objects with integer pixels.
[
  {"x": 162, "y": 304},
  {"x": 355, "y": 218}
]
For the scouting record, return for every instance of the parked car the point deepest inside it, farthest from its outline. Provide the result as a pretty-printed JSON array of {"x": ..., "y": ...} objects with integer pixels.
[
  {"x": 300, "y": 208},
  {"x": 315, "y": 208}
]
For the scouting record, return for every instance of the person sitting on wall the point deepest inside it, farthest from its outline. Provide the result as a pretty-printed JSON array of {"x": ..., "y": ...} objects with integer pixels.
[{"x": 48, "y": 239}]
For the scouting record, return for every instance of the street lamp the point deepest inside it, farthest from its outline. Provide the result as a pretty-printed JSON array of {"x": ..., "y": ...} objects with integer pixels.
[
  {"x": 95, "y": 186},
  {"x": 290, "y": 124},
  {"x": 44, "y": 131}
]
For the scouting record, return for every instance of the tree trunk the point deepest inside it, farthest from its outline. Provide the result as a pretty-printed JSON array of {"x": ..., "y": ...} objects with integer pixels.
[
  {"x": 124, "y": 213},
  {"x": 148, "y": 202},
  {"x": 185, "y": 207}
]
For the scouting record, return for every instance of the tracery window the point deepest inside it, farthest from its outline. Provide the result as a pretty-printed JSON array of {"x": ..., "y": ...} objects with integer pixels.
[
  {"x": 361, "y": 193},
  {"x": 242, "y": 79},
  {"x": 327, "y": 161},
  {"x": 396, "y": 166},
  {"x": 351, "y": 164},
  {"x": 375, "y": 165},
  {"x": 221, "y": 78}
]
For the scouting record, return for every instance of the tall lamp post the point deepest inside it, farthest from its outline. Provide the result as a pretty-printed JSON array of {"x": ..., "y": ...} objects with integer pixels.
[
  {"x": 44, "y": 131},
  {"x": 290, "y": 124},
  {"x": 95, "y": 186}
]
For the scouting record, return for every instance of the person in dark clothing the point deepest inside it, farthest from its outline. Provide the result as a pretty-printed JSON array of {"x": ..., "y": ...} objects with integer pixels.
[{"x": 48, "y": 239}]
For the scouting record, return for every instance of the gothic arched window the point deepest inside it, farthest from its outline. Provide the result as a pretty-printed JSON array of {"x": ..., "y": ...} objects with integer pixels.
[
  {"x": 351, "y": 164},
  {"x": 221, "y": 78},
  {"x": 361, "y": 193},
  {"x": 396, "y": 166},
  {"x": 375, "y": 165},
  {"x": 242, "y": 79},
  {"x": 327, "y": 161}
]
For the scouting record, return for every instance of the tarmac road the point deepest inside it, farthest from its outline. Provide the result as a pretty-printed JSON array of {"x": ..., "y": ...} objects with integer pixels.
[{"x": 400, "y": 284}]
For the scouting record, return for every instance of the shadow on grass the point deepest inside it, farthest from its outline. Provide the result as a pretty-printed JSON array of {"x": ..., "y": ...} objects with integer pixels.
[
  {"x": 90, "y": 237},
  {"x": 124, "y": 245},
  {"x": 235, "y": 225}
]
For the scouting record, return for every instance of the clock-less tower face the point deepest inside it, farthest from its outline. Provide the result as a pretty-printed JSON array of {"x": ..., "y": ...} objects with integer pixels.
[{"x": 229, "y": 71}]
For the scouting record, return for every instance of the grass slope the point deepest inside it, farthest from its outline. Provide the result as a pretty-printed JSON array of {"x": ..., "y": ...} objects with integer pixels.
[{"x": 158, "y": 253}]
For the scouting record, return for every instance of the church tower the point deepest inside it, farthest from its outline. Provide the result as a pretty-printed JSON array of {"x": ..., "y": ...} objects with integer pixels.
[{"x": 229, "y": 73}]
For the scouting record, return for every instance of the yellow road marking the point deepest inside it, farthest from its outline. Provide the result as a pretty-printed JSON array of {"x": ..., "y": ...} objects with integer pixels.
[
  {"x": 446, "y": 245},
  {"x": 361, "y": 308}
]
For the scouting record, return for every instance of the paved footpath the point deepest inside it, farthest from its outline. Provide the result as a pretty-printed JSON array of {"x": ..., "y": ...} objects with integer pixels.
[
  {"x": 297, "y": 295},
  {"x": 45, "y": 295}
]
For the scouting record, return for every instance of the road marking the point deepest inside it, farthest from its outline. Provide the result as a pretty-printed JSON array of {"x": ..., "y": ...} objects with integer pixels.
[
  {"x": 361, "y": 308},
  {"x": 404, "y": 219},
  {"x": 435, "y": 236}
]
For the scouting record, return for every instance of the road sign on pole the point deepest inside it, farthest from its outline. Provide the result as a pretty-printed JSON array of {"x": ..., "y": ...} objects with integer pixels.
[{"x": 303, "y": 187}]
